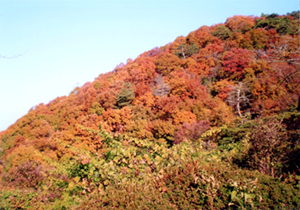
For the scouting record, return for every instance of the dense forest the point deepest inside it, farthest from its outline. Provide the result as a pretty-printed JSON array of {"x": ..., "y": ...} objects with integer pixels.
[{"x": 209, "y": 121}]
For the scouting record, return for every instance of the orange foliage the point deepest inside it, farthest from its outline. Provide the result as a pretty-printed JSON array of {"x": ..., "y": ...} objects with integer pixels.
[
  {"x": 147, "y": 100},
  {"x": 142, "y": 69},
  {"x": 23, "y": 154},
  {"x": 41, "y": 128},
  {"x": 168, "y": 92},
  {"x": 196, "y": 68},
  {"x": 139, "y": 128},
  {"x": 107, "y": 98},
  {"x": 166, "y": 63},
  {"x": 165, "y": 106},
  {"x": 141, "y": 88},
  {"x": 210, "y": 54},
  {"x": 222, "y": 88},
  {"x": 201, "y": 37},
  {"x": 240, "y": 23},
  {"x": 177, "y": 42},
  {"x": 184, "y": 116},
  {"x": 178, "y": 83},
  {"x": 115, "y": 120}
]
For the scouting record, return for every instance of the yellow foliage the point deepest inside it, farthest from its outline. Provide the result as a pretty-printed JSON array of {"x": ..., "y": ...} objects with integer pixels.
[
  {"x": 23, "y": 154},
  {"x": 214, "y": 130},
  {"x": 71, "y": 185}
]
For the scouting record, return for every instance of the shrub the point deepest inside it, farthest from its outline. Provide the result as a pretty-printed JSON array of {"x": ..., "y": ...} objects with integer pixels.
[
  {"x": 28, "y": 175},
  {"x": 191, "y": 132}
]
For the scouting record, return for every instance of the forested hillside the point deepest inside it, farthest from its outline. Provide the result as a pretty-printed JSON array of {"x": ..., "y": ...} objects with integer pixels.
[{"x": 209, "y": 121}]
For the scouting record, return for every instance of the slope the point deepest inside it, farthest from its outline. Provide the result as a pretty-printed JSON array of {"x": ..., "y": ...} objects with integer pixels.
[{"x": 223, "y": 94}]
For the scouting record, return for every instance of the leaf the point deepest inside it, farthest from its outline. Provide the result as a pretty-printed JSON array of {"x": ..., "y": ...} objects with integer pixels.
[
  {"x": 110, "y": 173},
  {"x": 116, "y": 159},
  {"x": 147, "y": 158},
  {"x": 106, "y": 182},
  {"x": 71, "y": 184},
  {"x": 157, "y": 158},
  {"x": 249, "y": 197},
  {"x": 76, "y": 179},
  {"x": 233, "y": 195}
]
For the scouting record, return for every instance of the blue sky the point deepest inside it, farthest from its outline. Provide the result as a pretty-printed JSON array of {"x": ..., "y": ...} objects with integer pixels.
[{"x": 63, "y": 44}]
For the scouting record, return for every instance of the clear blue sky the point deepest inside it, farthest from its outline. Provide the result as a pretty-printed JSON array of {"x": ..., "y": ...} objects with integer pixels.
[{"x": 66, "y": 43}]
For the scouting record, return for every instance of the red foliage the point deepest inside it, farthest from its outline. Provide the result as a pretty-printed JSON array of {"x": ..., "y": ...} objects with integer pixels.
[
  {"x": 27, "y": 175},
  {"x": 166, "y": 107},
  {"x": 235, "y": 61},
  {"x": 191, "y": 132},
  {"x": 173, "y": 97}
]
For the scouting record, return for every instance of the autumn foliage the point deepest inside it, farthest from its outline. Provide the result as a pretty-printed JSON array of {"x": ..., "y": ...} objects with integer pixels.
[{"x": 222, "y": 89}]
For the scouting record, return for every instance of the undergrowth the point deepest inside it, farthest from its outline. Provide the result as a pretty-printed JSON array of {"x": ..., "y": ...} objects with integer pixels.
[{"x": 221, "y": 170}]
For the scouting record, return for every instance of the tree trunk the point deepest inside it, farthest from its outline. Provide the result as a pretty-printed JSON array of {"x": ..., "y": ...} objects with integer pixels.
[
  {"x": 182, "y": 51},
  {"x": 238, "y": 102}
]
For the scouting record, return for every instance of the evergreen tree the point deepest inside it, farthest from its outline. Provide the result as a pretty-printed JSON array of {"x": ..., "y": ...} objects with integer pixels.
[{"x": 126, "y": 96}]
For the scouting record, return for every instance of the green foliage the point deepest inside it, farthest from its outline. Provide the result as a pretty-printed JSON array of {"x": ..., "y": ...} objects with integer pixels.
[
  {"x": 6, "y": 143},
  {"x": 283, "y": 25},
  {"x": 269, "y": 146},
  {"x": 126, "y": 96},
  {"x": 262, "y": 144},
  {"x": 178, "y": 145},
  {"x": 294, "y": 14},
  {"x": 185, "y": 51},
  {"x": 222, "y": 32},
  {"x": 96, "y": 108},
  {"x": 144, "y": 174},
  {"x": 198, "y": 185},
  {"x": 97, "y": 85}
]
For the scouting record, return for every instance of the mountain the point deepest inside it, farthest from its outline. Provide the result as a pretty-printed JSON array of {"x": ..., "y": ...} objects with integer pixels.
[{"x": 207, "y": 121}]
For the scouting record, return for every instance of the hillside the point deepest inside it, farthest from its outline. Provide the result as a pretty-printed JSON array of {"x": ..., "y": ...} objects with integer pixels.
[{"x": 207, "y": 121}]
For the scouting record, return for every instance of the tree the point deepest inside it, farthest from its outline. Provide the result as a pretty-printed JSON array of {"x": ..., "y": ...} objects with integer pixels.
[
  {"x": 222, "y": 88},
  {"x": 240, "y": 23},
  {"x": 235, "y": 62},
  {"x": 284, "y": 58},
  {"x": 191, "y": 131},
  {"x": 222, "y": 32},
  {"x": 126, "y": 96},
  {"x": 255, "y": 38},
  {"x": 197, "y": 68},
  {"x": 269, "y": 148},
  {"x": 166, "y": 63},
  {"x": 238, "y": 96},
  {"x": 185, "y": 51},
  {"x": 283, "y": 24},
  {"x": 200, "y": 37},
  {"x": 160, "y": 88}
]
